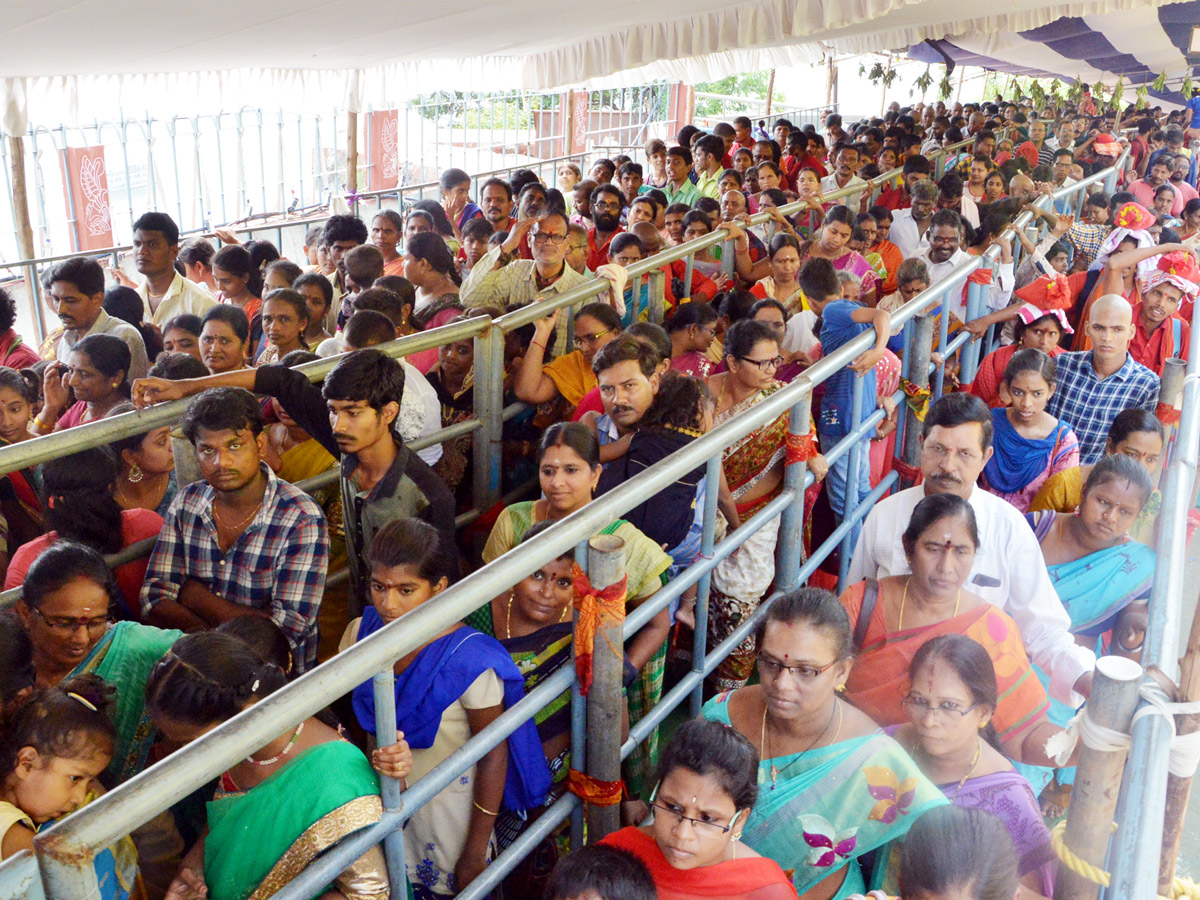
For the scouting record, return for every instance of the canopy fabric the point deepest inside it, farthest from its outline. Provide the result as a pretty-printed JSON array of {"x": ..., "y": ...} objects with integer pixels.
[
  {"x": 73, "y": 59},
  {"x": 1133, "y": 44}
]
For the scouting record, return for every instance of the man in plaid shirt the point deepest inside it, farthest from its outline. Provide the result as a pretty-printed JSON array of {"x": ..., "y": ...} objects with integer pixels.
[
  {"x": 1097, "y": 384},
  {"x": 241, "y": 542}
]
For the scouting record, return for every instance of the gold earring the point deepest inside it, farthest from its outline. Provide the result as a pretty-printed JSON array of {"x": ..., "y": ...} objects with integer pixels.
[{"x": 841, "y": 689}]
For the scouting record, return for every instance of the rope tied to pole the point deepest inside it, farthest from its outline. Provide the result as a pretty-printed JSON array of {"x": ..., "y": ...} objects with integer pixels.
[
  {"x": 597, "y": 610},
  {"x": 1167, "y": 414},
  {"x": 1180, "y": 887},
  {"x": 1185, "y": 748}
]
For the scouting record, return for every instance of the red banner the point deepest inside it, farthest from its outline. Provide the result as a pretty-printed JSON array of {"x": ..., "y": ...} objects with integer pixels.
[
  {"x": 579, "y": 122},
  {"x": 384, "y": 138},
  {"x": 87, "y": 200}
]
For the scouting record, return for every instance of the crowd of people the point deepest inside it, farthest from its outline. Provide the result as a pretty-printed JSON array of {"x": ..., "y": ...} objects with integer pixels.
[{"x": 844, "y": 727}]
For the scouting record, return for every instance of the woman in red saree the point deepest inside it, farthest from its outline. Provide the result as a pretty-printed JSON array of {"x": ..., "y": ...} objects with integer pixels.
[
  {"x": 692, "y": 846},
  {"x": 905, "y": 611}
]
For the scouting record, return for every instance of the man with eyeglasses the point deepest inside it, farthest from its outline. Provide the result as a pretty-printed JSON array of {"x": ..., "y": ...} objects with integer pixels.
[
  {"x": 1008, "y": 571},
  {"x": 501, "y": 280}
]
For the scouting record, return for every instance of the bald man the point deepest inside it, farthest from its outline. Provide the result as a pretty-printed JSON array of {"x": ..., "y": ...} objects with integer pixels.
[
  {"x": 1021, "y": 187},
  {"x": 1095, "y": 385}
]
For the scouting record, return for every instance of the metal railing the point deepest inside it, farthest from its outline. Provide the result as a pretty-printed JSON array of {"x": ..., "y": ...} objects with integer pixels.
[{"x": 64, "y": 851}]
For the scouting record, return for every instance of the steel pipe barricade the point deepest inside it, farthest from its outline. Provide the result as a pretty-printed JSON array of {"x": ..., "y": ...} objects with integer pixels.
[{"x": 65, "y": 849}]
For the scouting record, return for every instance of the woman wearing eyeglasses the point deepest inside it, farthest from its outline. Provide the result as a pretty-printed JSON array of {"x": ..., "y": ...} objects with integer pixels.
[
  {"x": 693, "y": 845},
  {"x": 896, "y": 615},
  {"x": 832, "y": 787},
  {"x": 66, "y": 607},
  {"x": 570, "y": 375},
  {"x": 950, "y": 735},
  {"x": 754, "y": 469}
]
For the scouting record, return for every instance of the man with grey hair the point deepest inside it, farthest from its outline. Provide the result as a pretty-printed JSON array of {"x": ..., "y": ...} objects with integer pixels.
[
  {"x": 910, "y": 227},
  {"x": 1095, "y": 385}
]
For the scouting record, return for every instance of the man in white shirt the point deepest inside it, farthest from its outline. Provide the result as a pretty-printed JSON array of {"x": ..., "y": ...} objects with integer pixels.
[
  {"x": 165, "y": 293},
  {"x": 76, "y": 289},
  {"x": 843, "y": 176},
  {"x": 944, "y": 254},
  {"x": 1009, "y": 571},
  {"x": 910, "y": 227}
]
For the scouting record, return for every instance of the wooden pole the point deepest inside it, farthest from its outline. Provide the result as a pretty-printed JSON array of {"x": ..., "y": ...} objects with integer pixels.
[
  {"x": 20, "y": 203},
  {"x": 1178, "y": 789},
  {"x": 770, "y": 90},
  {"x": 352, "y": 155},
  {"x": 920, "y": 350},
  {"x": 606, "y": 566},
  {"x": 1098, "y": 774}
]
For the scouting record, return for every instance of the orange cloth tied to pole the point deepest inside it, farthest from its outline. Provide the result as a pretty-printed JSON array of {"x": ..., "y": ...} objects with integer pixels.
[
  {"x": 593, "y": 790},
  {"x": 597, "y": 610},
  {"x": 918, "y": 398}
]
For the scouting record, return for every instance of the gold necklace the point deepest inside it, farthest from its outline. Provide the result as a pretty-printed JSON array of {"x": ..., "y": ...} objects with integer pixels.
[
  {"x": 508, "y": 616},
  {"x": 970, "y": 771},
  {"x": 238, "y": 527},
  {"x": 904, "y": 599},
  {"x": 762, "y": 739}
]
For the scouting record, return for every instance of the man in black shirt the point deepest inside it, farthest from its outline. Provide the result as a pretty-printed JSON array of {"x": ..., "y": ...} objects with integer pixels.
[{"x": 351, "y": 414}]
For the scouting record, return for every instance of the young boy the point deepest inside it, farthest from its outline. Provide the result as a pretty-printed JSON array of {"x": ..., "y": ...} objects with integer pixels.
[
  {"x": 600, "y": 872},
  {"x": 840, "y": 321},
  {"x": 475, "y": 236}
]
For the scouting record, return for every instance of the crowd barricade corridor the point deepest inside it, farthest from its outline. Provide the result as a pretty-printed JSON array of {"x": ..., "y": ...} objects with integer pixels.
[{"x": 62, "y": 867}]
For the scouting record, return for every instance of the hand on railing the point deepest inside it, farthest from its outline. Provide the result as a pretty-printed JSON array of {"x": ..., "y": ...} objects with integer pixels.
[
  {"x": 394, "y": 761},
  {"x": 819, "y": 466},
  {"x": 120, "y": 276},
  {"x": 148, "y": 391}
]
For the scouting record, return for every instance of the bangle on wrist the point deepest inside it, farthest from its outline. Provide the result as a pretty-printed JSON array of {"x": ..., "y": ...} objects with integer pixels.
[{"x": 486, "y": 812}]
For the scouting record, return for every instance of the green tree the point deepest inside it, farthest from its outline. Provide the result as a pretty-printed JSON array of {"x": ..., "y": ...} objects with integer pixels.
[{"x": 752, "y": 85}]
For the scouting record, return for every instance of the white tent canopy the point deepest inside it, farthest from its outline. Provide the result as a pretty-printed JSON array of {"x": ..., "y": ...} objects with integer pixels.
[{"x": 67, "y": 59}]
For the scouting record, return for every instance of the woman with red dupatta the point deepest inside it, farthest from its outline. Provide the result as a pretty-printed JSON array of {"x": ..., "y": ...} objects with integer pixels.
[
  {"x": 905, "y": 611},
  {"x": 692, "y": 845}
]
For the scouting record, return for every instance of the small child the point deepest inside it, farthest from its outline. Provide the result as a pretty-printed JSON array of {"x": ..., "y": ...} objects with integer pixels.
[
  {"x": 600, "y": 872},
  {"x": 841, "y": 320},
  {"x": 53, "y": 749}
]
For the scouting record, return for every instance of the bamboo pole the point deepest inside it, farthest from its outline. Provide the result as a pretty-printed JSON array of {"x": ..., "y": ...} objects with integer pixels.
[
  {"x": 770, "y": 90},
  {"x": 1098, "y": 774},
  {"x": 1179, "y": 789},
  {"x": 606, "y": 566},
  {"x": 351, "y": 153},
  {"x": 20, "y": 204}
]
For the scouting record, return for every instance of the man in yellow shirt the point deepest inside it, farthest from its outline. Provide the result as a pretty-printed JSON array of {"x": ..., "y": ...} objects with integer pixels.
[{"x": 708, "y": 153}]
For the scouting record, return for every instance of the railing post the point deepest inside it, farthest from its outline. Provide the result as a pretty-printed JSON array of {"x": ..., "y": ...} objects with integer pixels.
[
  {"x": 1098, "y": 776},
  {"x": 917, "y": 355},
  {"x": 851, "y": 498},
  {"x": 658, "y": 296},
  {"x": 712, "y": 478},
  {"x": 1179, "y": 788},
  {"x": 606, "y": 566},
  {"x": 489, "y": 408},
  {"x": 969, "y": 358},
  {"x": 389, "y": 788},
  {"x": 66, "y": 868},
  {"x": 791, "y": 521}
]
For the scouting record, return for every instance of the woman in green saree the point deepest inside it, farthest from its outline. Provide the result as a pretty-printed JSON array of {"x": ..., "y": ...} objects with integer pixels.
[
  {"x": 277, "y": 810},
  {"x": 568, "y": 471},
  {"x": 69, "y": 591},
  {"x": 832, "y": 786}
]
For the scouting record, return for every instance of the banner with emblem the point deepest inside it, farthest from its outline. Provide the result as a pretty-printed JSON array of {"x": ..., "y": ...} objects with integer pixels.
[{"x": 87, "y": 197}]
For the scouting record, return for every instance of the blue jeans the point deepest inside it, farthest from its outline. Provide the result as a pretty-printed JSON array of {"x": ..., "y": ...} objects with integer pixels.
[{"x": 844, "y": 490}]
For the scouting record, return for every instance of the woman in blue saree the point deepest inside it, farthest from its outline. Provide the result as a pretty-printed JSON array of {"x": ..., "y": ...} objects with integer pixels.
[
  {"x": 447, "y": 691},
  {"x": 1099, "y": 573},
  {"x": 832, "y": 786}
]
